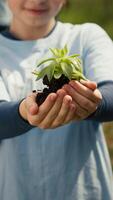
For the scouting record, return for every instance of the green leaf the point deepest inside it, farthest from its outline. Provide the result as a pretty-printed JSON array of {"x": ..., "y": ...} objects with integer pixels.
[
  {"x": 59, "y": 52},
  {"x": 44, "y": 61},
  {"x": 65, "y": 50},
  {"x": 41, "y": 74},
  {"x": 78, "y": 75},
  {"x": 68, "y": 62},
  {"x": 67, "y": 70},
  {"x": 50, "y": 71},
  {"x": 76, "y": 64},
  {"x": 55, "y": 51},
  {"x": 57, "y": 74},
  {"x": 74, "y": 55}
]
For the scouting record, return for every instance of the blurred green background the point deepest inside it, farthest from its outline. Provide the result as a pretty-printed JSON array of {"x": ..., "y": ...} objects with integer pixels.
[{"x": 100, "y": 12}]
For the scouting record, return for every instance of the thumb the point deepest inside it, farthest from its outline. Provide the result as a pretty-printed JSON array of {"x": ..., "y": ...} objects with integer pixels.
[{"x": 31, "y": 104}]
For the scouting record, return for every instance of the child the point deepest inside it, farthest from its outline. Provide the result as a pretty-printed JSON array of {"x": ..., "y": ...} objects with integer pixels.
[{"x": 60, "y": 152}]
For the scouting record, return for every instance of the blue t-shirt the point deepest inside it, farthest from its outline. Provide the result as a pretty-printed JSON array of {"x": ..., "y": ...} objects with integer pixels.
[{"x": 70, "y": 162}]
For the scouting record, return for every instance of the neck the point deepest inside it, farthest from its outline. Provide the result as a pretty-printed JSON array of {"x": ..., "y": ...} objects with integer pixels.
[{"x": 30, "y": 32}]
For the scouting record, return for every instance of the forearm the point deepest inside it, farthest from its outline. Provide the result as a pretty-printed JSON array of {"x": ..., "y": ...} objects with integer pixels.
[{"x": 11, "y": 123}]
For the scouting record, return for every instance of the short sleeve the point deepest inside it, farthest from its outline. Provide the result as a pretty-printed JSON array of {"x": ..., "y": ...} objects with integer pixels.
[{"x": 97, "y": 53}]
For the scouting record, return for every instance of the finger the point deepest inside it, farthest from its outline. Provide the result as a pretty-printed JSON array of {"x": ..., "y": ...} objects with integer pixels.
[
  {"x": 52, "y": 114},
  {"x": 65, "y": 108},
  {"x": 84, "y": 91},
  {"x": 45, "y": 108},
  {"x": 81, "y": 112},
  {"x": 71, "y": 114},
  {"x": 81, "y": 100},
  {"x": 80, "y": 94},
  {"x": 77, "y": 113},
  {"x": 42, "y": 110},
  {"x": 31, "y": 105},
  {"x": 90, "y": 84},
  {"x": 98, "y": 94}
]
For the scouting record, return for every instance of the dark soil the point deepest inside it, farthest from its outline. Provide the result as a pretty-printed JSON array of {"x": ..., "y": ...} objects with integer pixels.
[{"x": 52, "y": 86}]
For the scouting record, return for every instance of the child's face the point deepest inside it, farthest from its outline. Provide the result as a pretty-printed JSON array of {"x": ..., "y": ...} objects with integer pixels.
[{"x": 34, "y": 12}]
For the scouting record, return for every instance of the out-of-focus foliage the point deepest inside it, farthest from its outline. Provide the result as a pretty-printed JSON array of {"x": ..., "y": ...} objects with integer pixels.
[
  {"x": 97, "y": 11},
  {"x": 108, "y": 129},
  {"x": 100, "y": 12}
]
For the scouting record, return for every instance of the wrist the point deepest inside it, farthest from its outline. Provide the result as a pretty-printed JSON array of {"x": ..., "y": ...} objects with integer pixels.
[{"x": 22, "y": 109}]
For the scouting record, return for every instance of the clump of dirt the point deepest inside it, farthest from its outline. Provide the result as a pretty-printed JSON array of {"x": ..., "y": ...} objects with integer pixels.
[{"x": 52, "y": 86}]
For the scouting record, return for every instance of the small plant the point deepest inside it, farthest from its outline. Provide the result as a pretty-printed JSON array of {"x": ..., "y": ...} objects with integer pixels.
[{"x": 60, "y": 69}]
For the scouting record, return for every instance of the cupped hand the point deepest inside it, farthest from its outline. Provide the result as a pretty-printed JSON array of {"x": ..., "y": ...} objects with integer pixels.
[
  {"x": 86, "y": 97},
  {"x": 57, "y": 110}
]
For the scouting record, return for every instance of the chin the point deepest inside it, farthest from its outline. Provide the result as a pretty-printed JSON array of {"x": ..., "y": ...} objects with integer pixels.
[{"x": 37, "y": 23}]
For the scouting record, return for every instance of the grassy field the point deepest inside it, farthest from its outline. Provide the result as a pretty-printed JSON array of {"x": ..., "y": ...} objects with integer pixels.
[
  {"x": 108, "y": 130},
  {"x": 100, "y": 12}
]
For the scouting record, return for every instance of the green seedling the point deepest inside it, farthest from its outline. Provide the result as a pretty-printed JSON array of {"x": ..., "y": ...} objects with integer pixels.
[{"x": 60, "y": 64}]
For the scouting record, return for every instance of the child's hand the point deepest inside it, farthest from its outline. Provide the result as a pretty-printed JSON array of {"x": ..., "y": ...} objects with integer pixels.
[
  {"x": 86, "y": 97},
  {"x": 56, "y": 110}
]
